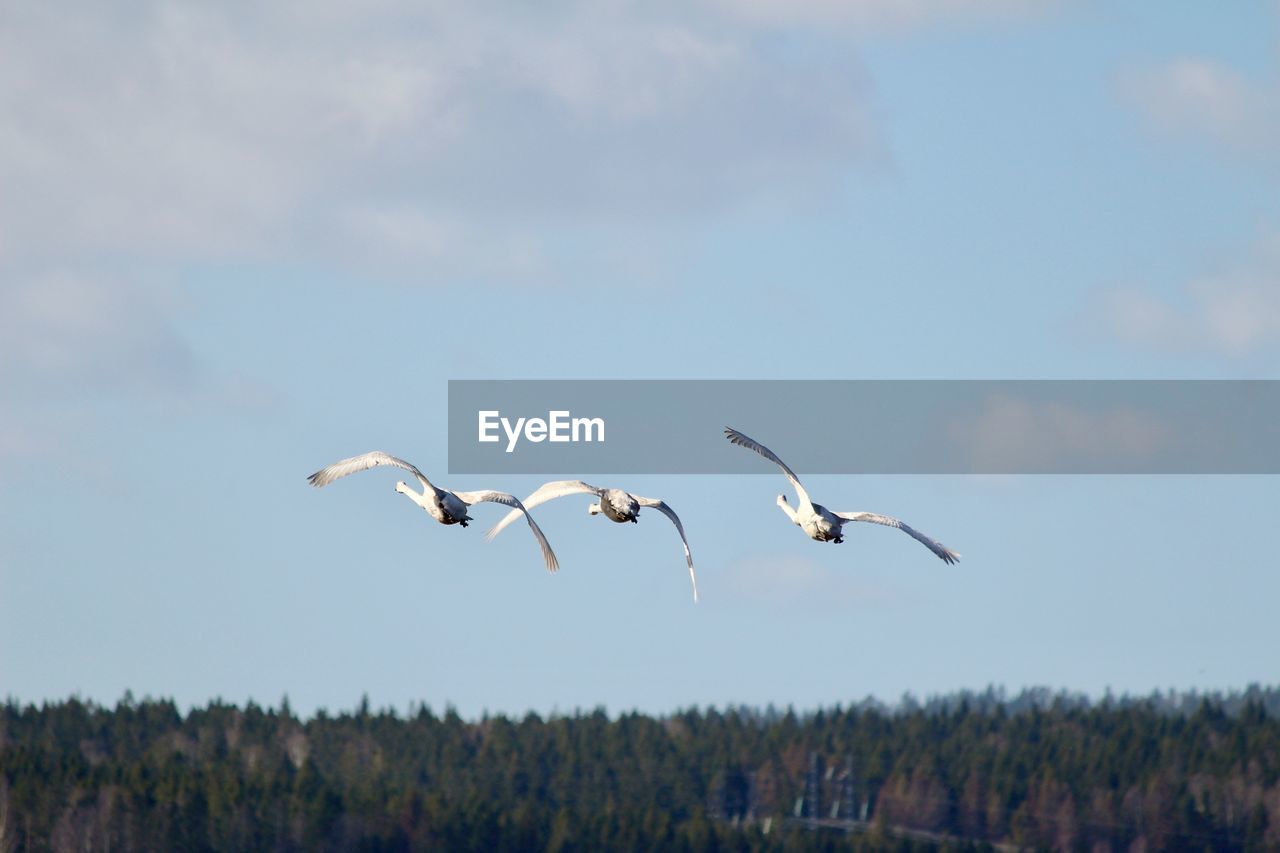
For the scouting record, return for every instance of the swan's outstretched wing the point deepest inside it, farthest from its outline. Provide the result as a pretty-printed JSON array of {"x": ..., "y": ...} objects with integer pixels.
[
  {"x": 510, "y": 500},
  {"x": 751, "y": 444},
  {"x": 933, "y": 545},
  {"x": 675, "y": 519},
  {"x": 546, "y": 492},
  {"x": 355, "y": 464}
]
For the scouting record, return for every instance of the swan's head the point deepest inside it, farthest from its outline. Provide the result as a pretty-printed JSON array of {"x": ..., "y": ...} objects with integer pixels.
[
  {"x": 593, "y": 509},
  {"x": 782, "y": 500},
  {"x": 402, "y": 487}
]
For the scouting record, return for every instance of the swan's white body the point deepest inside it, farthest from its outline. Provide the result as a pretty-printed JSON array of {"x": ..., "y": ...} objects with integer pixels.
[
  {"x": 444, "y": 506},
  {"x": 820, "y": 523},
  {"x": 614, "y": 504}
]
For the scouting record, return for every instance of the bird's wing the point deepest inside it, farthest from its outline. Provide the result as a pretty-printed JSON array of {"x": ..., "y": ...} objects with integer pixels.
[
  {"x": 355, "y": 464},
  {"x": 751, "y": 444},
  {"x": 933, "y": 545},
  {"x": 510, "y": 500},
  {"x": 546, "y": 492},
  {"x": 675, "y": 519}
]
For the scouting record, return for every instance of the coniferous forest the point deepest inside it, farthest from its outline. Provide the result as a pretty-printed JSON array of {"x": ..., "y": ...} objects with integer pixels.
[{"x": 970, "y": 771}]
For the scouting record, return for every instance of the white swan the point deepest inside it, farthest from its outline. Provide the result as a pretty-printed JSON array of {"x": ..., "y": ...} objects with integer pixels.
[
  {"x": 822, "y": 524},
  {"x": 443, "y": 505},
  {"x": 615, "y": 504}
]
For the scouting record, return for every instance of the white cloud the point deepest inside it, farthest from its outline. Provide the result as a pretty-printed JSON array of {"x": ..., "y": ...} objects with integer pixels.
[
  {"x": 444, "y": 141},
  {"x": 1233, "y": 312},
  {"x": 185, "y": 131},
  {"x": 169, "y": 130},
  {"x": 173, "y": 130},
  {"x": 1202, "y": 97}
]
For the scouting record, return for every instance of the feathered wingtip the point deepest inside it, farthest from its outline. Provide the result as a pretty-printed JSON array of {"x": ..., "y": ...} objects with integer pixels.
[{"x": 737, "y": 438}]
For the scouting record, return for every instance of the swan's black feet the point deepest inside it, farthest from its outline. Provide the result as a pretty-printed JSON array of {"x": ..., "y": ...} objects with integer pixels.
[
  {"x": 635, "y": 520},
  {"x": 463, "y": 523},
  {"x": 838, "y": 540}
]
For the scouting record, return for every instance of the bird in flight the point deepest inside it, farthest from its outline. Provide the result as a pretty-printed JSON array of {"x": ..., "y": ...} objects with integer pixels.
[
  {"x": 614, "y": 504},
  {"x": 820, "y": 523},
  {"x": 445, "y": 506}
]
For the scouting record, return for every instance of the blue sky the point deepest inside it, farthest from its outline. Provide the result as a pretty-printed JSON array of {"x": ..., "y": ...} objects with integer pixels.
[{"x": 237, "y": 244}]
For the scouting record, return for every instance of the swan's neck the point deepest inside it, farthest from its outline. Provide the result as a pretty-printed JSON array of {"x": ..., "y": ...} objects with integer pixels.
[
  {"x": 419, "y": 499},
  {"x": 786, "y": 507}
]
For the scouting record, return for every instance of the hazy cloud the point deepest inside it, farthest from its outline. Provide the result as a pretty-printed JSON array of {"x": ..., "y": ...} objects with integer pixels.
[
  {"x": 24, "y": 441},
  {"x": 434, "y": 140},
  {"x": 64, "y": 332},
  {"x": 881, "y": 14},
  {"x": 1009, "y": 434},
  {"x": 1202, "y": 97},
  {"x": 180, "y": 130},
  {"x": 438, "y": 140},
  {"x": 70, "y": 340},
  {"x": 1233, "y": 312}
]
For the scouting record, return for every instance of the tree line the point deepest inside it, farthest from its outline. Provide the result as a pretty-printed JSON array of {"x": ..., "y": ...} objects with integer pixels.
[{"x": 1039, "y": 770}]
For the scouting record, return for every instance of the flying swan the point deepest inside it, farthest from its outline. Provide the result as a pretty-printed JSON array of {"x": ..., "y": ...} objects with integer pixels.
[
  {"x": 443, "y": 505},
  {"x": 615, "y": 504},
  {"x": 820, "y": 523}
]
